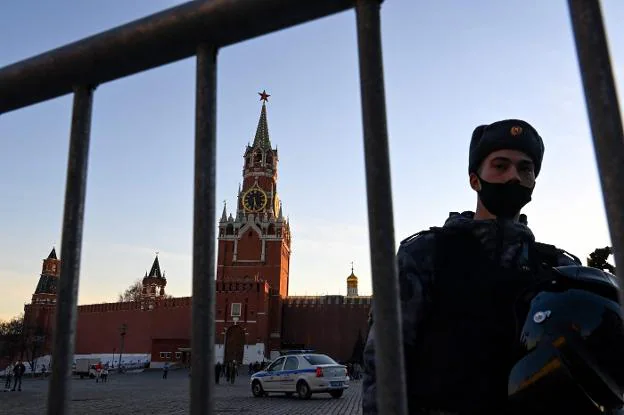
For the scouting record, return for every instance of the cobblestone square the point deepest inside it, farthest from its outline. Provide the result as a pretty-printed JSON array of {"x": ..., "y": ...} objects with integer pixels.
[{"x": 148, "y": 393}]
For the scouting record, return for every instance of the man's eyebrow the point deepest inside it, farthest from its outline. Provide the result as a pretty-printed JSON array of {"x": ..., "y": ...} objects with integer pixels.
[
  {"x": 508, "y": 160},
  {"x": 527, "y": 162}
]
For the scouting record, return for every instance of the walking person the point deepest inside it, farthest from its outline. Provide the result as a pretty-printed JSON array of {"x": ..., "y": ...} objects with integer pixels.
[
  {"x": 8, "y": 372},
  {"x": 98, "y": 371},
  {"x": 233, "y": 371},
  {"x": 217, "y": 372},
  {"x": 165, "y": 370},
  {"x": 18, "y": 372}
]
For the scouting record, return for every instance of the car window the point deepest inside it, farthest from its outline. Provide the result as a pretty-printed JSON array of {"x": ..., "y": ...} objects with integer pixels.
[
  {"x": 277, "y": 365},
  {"x": 319, "y": 359},
  {"x": 292, "y": 363}
]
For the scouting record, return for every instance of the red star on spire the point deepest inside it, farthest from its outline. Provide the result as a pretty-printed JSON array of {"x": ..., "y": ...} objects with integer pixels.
[{"x": 264, "y": 96}]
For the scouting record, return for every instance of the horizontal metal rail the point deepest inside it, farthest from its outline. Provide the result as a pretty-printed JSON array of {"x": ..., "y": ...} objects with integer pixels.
[{"x": 155, "y": 40}]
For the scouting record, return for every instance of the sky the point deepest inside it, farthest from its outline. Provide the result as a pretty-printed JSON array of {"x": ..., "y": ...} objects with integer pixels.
[{"x": 449, "y": 66}]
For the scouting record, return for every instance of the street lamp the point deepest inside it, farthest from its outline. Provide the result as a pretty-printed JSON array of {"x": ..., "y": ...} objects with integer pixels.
[
  {"x": 122, "y": 332},
  {"x": 113, "y": 361}
]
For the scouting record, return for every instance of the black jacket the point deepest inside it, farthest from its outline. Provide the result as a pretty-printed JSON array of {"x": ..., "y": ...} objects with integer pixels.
[{"x": 503, "y": 243}]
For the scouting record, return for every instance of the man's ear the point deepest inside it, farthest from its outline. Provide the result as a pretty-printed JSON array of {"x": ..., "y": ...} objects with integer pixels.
[{"x": 475, "y": 184}]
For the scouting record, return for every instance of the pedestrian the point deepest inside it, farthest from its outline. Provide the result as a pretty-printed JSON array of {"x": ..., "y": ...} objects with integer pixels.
[
  {"x": 228, "y": 370},
  {"x": 98, "y": 371},
  {"x": 233, "y": 370},
  {"x": 105, "y": 373},
  {"x": 18, "y": 372},
  {"x": 165, "y": 370},
  {"x": 8, "y": 373},
  {"x": 217, "y": 372},
  {"x": 458, "y": 283}
]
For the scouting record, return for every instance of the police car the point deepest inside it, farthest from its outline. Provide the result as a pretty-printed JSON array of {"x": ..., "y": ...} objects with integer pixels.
[{"x": 303, "y": 373}]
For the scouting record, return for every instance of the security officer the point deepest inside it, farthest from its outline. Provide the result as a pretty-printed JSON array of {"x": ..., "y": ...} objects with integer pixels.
[{"x": 458, "y": 283}]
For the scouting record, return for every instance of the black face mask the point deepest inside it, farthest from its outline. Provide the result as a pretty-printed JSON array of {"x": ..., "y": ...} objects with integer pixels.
[{"x": 504, "y": 199}]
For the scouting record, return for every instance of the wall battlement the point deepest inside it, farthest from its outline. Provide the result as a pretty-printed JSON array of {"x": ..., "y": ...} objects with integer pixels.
[
  {"x": 323, "y": 300},
  {"x": 135, "y": 305}
]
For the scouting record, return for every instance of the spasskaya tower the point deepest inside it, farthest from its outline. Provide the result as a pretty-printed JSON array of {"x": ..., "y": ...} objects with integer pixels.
[{"x": 255, "y": 243}]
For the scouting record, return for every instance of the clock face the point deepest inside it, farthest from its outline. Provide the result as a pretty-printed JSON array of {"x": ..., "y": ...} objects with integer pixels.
[{"x": 254, "y": 200}]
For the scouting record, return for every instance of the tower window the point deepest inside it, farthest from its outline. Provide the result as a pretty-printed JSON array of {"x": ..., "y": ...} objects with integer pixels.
[{"x": 236, "y": 309}]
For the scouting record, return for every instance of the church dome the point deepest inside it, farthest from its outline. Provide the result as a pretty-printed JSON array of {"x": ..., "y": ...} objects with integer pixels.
[{"x": 352, "y": 280}]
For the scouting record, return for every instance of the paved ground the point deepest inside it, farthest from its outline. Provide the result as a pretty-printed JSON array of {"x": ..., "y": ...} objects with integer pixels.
[{"x": 147, "y": 393}]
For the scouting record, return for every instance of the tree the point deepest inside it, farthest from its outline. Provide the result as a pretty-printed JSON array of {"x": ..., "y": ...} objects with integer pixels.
[
  {"x": 132, "y": 293},
  {"x": 34, "y": 340},
  {"x": 11, "y": 336},
  {"x": 598, "y": 259}
]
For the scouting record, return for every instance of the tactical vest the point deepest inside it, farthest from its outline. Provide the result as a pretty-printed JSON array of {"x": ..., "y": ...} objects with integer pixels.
[{"x": 467, "y": 341}]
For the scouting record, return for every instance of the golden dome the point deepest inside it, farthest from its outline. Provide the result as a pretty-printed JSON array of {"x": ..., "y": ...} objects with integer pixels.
[{"x": 352, "y": 277}]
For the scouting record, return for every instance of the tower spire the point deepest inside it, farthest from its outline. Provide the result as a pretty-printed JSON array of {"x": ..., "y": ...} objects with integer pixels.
[
  {"x": 224, "y": 214},
  {"x": 262, "y": 139},
  {"x": 155, "y": 270}
]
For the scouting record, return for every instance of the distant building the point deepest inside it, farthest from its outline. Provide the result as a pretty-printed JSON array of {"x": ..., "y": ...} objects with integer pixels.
[{"x": 255, "y": 317}]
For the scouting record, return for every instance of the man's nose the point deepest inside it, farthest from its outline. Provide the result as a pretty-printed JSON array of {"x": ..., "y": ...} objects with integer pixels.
[{"x": 513, "y": 175}]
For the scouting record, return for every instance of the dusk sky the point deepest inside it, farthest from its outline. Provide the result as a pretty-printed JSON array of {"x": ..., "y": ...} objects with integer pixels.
[{"x": 450, "y": 65}]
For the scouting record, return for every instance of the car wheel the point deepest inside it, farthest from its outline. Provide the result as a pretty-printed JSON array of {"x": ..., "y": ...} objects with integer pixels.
[
  {"x": 256, "y": 389},
  {"x": 303, "y": 390},
  {"x": 336, "y": 394}
]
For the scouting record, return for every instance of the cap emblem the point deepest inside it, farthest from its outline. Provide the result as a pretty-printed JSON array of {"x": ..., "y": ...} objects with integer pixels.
[{"x": 516, "y": 130}]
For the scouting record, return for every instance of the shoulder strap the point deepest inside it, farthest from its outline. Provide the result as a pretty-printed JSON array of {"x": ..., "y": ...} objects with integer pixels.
[
  {"x": 551, "y": 255},
  {"x": 415, "y": 236}
]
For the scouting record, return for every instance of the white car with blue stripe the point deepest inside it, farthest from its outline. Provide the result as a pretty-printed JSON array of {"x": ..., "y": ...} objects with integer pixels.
[{"x": 303, "y": 374}]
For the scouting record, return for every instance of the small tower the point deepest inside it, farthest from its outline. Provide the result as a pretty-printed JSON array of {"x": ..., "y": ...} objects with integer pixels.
[
  {"x": 154, "y": 283},
  {"x": 39, "y": 315},
  {"x": 45, "y": 293},
  {"x": 352, "y": 284}
]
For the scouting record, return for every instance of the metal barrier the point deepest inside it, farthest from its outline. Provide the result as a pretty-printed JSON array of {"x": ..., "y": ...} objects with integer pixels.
[{"x": 202, "y": 27}]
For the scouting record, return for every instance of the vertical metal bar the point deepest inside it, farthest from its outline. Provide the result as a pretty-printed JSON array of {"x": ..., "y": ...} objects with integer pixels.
[
  {"x": 71, "y": 244},
  {"x": 604, "y": 117},
  {"x": 204, "y": 235},
  {"x": 389, "y": 359}
]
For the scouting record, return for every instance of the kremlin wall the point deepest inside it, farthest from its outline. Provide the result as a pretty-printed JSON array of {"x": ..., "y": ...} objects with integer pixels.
[{"x": 255, "y": 316}]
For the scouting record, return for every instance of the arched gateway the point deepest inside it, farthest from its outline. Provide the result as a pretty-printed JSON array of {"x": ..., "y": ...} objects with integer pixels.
[{"x": 234, "y": 344}]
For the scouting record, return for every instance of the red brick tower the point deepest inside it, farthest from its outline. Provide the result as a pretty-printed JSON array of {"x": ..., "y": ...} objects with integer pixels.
[
  {"x": 255, "y": 244},
  {"x": 153, "y": 286},
  {"x": 39, "y": 315}
]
